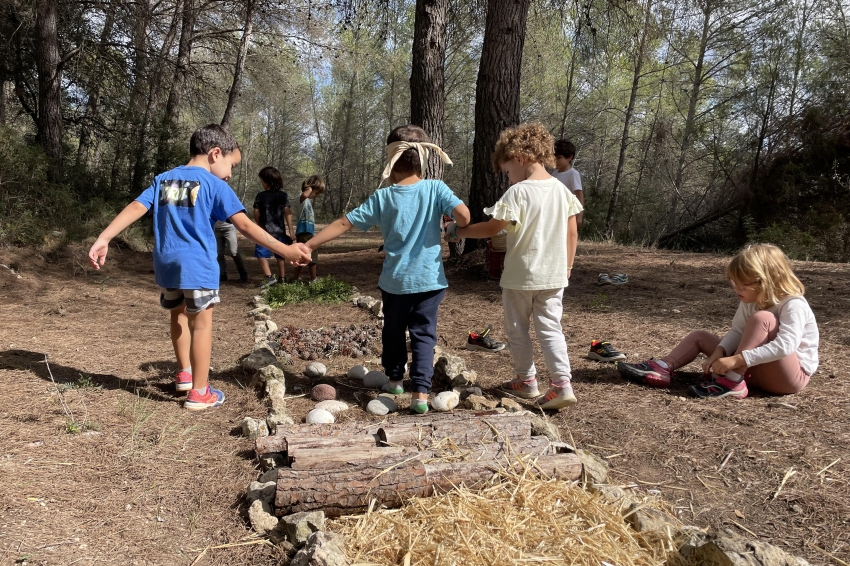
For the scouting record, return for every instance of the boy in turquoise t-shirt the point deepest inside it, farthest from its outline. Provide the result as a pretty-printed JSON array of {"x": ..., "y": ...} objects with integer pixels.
[{"x": 409, "y": 215}]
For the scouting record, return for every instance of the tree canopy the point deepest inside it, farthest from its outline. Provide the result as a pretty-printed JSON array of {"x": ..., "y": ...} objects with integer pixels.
[{"x": 701, "y": 124}]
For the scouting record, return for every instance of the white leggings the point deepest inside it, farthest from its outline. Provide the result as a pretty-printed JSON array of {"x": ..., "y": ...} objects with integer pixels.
[{"x": 546, "y": 308}]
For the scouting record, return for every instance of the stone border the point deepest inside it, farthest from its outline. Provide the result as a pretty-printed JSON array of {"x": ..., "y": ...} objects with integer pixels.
[{"x": 305, "y": 531}]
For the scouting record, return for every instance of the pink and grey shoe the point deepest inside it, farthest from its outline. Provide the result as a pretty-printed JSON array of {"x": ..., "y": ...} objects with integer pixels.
[
  {"x": 557, "y": 398},
  {"x": 520, "y": 388},
  {"x": 646, "y": 373},
  {"x": 183, "y": 381},
  {"x": 719, "y": 388},
  {"x": 211, "y": 399}
]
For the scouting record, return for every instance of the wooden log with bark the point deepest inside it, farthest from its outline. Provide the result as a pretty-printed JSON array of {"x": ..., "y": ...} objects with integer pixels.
[
  {"x": 345, "y": 491},
  {"x": 465, "y": 431},
  {"x": 289, "y": 442}
]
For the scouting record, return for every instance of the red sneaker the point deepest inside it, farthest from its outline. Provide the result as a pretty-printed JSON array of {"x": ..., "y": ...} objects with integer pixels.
[
  {"x": 212, "y": 399},
  {"x": 648, "y": 373},
  {"x": 183, "y": 381}
]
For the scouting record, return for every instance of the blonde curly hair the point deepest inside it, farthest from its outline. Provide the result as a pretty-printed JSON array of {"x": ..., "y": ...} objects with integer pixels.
[
  {"x": 531, "y": 141},
  {"x": 766, "y": 266}
]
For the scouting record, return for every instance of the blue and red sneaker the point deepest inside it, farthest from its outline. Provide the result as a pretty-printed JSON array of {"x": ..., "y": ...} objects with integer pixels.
[
  {"x": 719, "y": 388},
  {"x": 213, "y": 398},
  {"x": 646, "y": 373}
]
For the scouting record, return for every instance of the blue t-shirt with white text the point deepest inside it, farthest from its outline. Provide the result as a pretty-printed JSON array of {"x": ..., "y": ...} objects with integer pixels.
[
  {"x": 409, "y": 217},
  {"x": 186, "y": 202}
]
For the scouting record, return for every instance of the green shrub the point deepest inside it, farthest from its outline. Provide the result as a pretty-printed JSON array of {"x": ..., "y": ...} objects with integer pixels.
[{"x": 323, "y": 290}]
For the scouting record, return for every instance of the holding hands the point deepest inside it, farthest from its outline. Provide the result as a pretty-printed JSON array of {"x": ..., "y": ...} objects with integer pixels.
[{"x": 450, "y": 231}]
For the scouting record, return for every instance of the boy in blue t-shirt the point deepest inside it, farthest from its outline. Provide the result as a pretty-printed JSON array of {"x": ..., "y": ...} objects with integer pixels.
[
  {"x": 409, "y": 215},
  {"x": 186, "y": 202}
]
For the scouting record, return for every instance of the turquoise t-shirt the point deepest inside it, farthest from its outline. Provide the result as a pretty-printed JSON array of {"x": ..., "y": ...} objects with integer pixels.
[{"x": 409, "y": 217}]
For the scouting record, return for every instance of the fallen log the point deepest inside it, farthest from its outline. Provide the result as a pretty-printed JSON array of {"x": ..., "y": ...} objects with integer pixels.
[
  {"x": 339, "y": 492},
  {"x": 325, "y": 458},
  {"x": 289, "y": 442},
  {"x": 466, "y": 431}
]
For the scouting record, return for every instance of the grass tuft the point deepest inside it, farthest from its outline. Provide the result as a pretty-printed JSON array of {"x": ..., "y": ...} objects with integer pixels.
[{"x": 324, "y": 290}]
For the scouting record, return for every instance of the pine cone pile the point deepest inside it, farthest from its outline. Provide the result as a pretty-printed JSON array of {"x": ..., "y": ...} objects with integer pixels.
[{"x": 350, "y": 341}]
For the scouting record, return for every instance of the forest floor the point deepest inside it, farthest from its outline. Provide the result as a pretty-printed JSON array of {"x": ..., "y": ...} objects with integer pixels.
[{"x": 144, "y": 481}]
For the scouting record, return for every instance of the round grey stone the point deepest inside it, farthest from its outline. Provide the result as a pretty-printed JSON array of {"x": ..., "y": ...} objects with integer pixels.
[
  {"x": 319, "y": 416},
  {"x": 445, "y": 401},
  {"x": 358, "y": 372},
  {"x": 375, "y": 379},
  {"x": 333, "y": 407},
  {"x": 381, "y": 406},
  {"x": 316, "y": 369}
]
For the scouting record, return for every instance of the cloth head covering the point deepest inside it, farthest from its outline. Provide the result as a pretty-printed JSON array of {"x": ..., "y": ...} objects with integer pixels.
[{"x": 395, "y": 149}]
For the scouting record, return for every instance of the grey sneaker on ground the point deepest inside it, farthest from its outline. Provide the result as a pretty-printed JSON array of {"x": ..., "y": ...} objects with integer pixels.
[
  {"x": 557, "y": 398},
  {"x": 519, "y": 388}
]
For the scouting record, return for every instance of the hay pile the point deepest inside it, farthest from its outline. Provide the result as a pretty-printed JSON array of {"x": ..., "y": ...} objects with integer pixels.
[{"x": 516, "y": 520}]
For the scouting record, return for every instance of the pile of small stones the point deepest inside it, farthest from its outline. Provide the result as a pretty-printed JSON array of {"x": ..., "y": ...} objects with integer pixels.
[{"x": 309, "y": 344}]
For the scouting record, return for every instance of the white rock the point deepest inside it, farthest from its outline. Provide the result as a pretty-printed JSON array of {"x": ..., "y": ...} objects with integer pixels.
[
  {"x": 381, "y": 406},
  {"x": 316, "y": 369},
  {"x": 358, "y": 372},
  {"x": 333, "y": 407},
  {"x": 254, "y": 428},
  {"x": 319, "y": 416},
  {"x": 262, "y": 517},
  {"x": 375, "y": 379},
  {"x": 445, "y": 401},
  {"x": 264, "y": 491}
]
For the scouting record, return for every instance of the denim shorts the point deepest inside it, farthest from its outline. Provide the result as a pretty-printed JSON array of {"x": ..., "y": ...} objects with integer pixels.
[{"x": 265, "y": 253}]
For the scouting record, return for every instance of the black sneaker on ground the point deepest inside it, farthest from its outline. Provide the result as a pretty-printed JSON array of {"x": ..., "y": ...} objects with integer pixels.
[
  {"x": 604, "y": 352},
  {"x": 483, "y": 342},
  {"x": 268, "y": 281}
]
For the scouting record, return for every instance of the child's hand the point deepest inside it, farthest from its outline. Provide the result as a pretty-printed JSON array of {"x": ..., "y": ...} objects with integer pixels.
[
  {"x": 298, "y": 254},
  {"x": 97, "y": 253},
  {"x": 450, "y": 232},
  {"x": 706, "y": 365},
  {"x": 723, "y": 365}
]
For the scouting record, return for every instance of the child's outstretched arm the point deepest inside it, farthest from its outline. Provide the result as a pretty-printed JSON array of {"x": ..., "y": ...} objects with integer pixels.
[
  {"x": 480, "y": 230},
  {"x": 296, "y": 253},
  {"x": 131, "y": 213},
  {"x": 572, "y": 242},
  {"x": 332, "y": 231}
]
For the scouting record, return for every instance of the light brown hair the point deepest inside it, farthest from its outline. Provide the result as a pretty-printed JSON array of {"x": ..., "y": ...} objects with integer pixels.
[
  {"x": 313, "y": 182},
  {"x": 532, "y": 142},
  {"x": 767, "y": 266}
]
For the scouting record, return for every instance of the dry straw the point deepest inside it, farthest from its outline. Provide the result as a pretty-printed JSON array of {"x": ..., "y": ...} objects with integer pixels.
[{"x": 516, "y": 519}]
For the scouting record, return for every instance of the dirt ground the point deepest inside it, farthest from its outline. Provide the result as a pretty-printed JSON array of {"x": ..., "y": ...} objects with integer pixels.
[{"x": 115, "y": 471}]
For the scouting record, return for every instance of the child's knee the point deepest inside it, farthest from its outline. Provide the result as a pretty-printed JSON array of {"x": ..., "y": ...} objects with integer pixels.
[{"x": 764, "y": 319}]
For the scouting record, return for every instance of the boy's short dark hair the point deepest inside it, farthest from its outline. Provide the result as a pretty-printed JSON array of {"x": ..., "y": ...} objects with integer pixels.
[
  {"x": 565, "y": 148},
  {"x": 408, "y": 162},
  {"x": 313, "y": 182},
  {"x": 272, "y": 178},
  {"x": 209, "y": 137}
]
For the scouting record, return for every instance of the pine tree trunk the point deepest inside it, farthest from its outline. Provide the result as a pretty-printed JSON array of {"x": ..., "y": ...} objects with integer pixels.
[
  {"x": 92, "y": 110},
  {"x": 49, "y": 83},
  {"x": 236, "y": 87},
  {"x": 497, "y": 93},
  {"x": 168, "y": 129},
  {"x": 427, "y": 77},
  {"x": 624, "y": 142}
]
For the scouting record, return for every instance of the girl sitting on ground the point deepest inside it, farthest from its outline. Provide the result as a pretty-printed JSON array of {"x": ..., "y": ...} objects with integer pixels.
[{"x": 773, "y": 342}]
